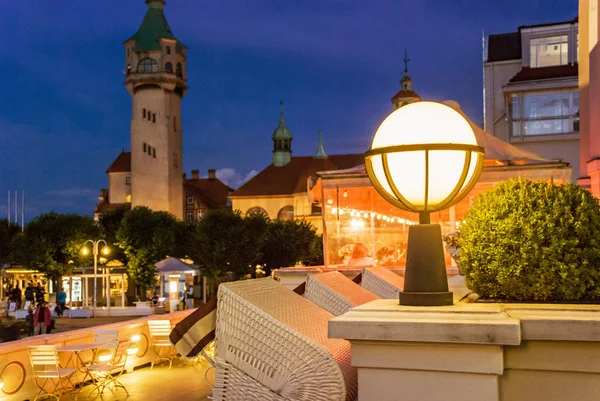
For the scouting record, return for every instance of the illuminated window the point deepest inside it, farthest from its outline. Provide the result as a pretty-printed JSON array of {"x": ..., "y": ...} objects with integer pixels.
[
  {"x": 189, "y": 216},
  {"x": 548, "y": 51},
  {"x": 190, "y": 200},
  {"x": 169, "y": 67},
  {"x": 128, "y": 198},
  {"x": 257, "y": 210},
  {"x": 147, "y": 65},
  {"x": 200, "y": 213},
  {"x": 544, "y": 113},
  {"x": 286, "y": 213}
]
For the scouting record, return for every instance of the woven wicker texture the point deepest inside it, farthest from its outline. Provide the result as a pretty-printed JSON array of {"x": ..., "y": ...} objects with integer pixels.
[
  {"x": 231, "y": 384},
  {"x": 382, "y": 282},
  {"x": 336, "y": 293},
  {"x": 279, "y": 339}
]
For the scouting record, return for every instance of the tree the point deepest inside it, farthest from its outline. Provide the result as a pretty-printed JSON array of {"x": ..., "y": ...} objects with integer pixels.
[
  {"x": 7, "y": 232},
  {"x": 51, "y": 243},
  {"x": 289, "y": 242},
  {"x": 225, "y": 243},
  {"x": 147, "y": 237},
  {"x": 109, "y": 225}
]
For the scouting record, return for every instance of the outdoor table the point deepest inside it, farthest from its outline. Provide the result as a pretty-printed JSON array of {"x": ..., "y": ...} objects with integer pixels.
[{"x": 75, "y": 359}]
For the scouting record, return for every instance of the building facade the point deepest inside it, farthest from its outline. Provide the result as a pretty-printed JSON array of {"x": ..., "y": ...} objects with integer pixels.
[{"x": 531, "y": 96}]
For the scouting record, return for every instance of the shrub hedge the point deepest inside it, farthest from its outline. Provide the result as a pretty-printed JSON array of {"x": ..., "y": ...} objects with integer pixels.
[{"x": 532, "y": 241}]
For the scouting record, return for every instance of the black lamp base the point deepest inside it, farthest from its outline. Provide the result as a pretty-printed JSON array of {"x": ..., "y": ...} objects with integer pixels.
[
  {"x": 425, "y": 279},
  {"x": 426, "y": 298}
]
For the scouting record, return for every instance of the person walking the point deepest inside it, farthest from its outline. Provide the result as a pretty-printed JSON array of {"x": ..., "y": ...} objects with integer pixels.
[
  {"x": 29, "y": 321},
  {"x": 61, "y": 300},
  {"x": 41, "y": 318},
  {"x": 189, "y": 297}
]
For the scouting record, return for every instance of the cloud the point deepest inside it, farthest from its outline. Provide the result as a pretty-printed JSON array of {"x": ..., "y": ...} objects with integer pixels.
[{"x": 234, "y": 179}]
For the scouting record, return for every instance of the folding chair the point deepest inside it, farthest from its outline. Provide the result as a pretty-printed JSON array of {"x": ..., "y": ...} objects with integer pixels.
[
  {"x": 48, "y": 373},
  {"x": 159, "y": 338},
  {"x": 106, "y": 372}
]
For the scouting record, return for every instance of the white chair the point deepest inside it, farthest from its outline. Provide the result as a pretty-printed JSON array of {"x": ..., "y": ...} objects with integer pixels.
[
  {"x": 382, "y": 282},
  {"x": 159, "y": 338},
  {"x": 272, "y": 344},
  {"x": 336, "y": 293},
  {"x": 52, "y": 380},
  {"x": 109, "y": 367}
]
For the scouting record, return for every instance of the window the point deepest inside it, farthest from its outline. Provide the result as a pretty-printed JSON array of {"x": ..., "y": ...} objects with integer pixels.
[
  {"x": 154, "y": 152},
  {"x": 149, "y": 115},
  {"x": 286, "y": 213},
  {"x": 544, "y": 113},
  {"x": 169, "y": 67},
  {"x": 153, "y": 117},
  {"x": 145, "y": 147},
  {"x": 257, "y": 210},
  {"x": 127, "y": 180},
  {"x": 200, "y": 213},
  {"x": 548, "y": 51},
  {"x": 128, "y": 52},
  {"x": 178, "y": 70},
  {"x": 144, "y": 113},
  {"x": 175, "y": 160},
  {"x": 147, "y": 65},
  {"x": 189, "y": 216},
  {"x": 168, "y": 49},
  {"x": 175, "y": 124},
  {"x": 190, "y": 200},
  {"x": 128, "y": 198}
]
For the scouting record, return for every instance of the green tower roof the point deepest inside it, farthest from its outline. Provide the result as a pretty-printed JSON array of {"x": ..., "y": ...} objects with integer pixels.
[
  {"x": 154, "y": 27},
  {"x": 282, "y": 131},
  {"x": 321, "y": 154}
]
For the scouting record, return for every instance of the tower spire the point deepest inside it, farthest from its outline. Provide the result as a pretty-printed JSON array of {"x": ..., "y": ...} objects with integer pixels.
[
  {"x": 282, "y": 142},
  {"x": 406, "y": 61},
  {"x": 281, "y": 119},
  {"x": 320, "y": 148}
]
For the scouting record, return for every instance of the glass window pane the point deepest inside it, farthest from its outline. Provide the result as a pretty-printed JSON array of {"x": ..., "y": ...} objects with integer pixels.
[
  {"x": 516, "y": 128},
  {"x": 546, "y": 105},
  {"x": 515, "y": 107},
  {"x": 545, "y": 127},
  {"x": 548, "y": 51}
]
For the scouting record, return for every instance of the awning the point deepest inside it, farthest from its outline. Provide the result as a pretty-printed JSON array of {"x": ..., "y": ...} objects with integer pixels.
[{"x": 175, "y": 266}]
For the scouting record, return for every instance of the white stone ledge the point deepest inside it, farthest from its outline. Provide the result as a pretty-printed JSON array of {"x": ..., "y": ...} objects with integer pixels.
[
  {"x": 466, "y": 323},
  {"x": 558, "y": 323}
]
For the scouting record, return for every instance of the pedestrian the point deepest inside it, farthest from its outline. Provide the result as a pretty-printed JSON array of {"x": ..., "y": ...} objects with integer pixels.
[
  {"x": 17, "y": 296},
  {"x": 61, "y": 299},
  {"x": 29, "y": 321},
  {"x": 189, "y": 297},
  {"x": 41, "y": 318},
  {"x": 39, "y": 293},
  {"x": 30, "y": 293}
]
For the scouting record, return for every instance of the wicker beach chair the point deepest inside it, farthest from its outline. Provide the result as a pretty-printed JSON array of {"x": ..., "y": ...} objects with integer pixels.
[
  {"x": 382, "y": 282},
  {"x": 336, "y": 293},
  {"x": 272, "y": 344}
]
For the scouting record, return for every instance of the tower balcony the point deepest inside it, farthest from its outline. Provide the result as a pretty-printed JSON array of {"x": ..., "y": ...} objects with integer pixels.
[{"x": 165, "y": 80}]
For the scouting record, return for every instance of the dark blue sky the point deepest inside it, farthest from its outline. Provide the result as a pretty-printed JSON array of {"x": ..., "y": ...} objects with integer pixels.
[{"x": 64, "y": 113}]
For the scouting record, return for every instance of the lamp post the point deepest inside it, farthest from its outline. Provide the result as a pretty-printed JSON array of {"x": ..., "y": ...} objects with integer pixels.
[
  {"x": 86, "y": 251},
  {"x": 424, "y": 158}
]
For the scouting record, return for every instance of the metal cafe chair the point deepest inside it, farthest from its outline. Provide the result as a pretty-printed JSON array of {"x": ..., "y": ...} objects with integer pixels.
[
  {"x": 52, "y": 380},
  {"x": 109, "y": 367},
  {"x": 159, "y": 338}
]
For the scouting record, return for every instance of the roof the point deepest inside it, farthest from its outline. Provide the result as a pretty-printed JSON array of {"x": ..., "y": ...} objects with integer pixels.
[
  {"x": 292, "y": 178},
  {"x": 105, "y": 207},
  {"x": 573, "y": 21},
  {"x": 553, "y": 72},
  {"x": 153, "y": 28},
  {"x": 122, "y": 164},
  {"x": 505, "y": 46},
  {"x": 211, "y": 191},
  {"x": 173, "y": 265},
  {"x": 405, "y": 94}
]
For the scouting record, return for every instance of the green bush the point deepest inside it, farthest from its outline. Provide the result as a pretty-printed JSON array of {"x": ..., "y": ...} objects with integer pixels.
[{"x": 532, "y": 241}]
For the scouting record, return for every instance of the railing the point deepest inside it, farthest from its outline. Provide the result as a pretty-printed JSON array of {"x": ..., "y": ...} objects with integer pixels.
[{"x": 15, "y": 369}]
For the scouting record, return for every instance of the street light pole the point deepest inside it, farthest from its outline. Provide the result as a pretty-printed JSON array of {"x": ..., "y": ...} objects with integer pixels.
[{"x": 95, "y": 252}]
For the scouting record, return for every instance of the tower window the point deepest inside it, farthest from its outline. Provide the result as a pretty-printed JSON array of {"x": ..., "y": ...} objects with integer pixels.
[
  {"x": 175, "y": 124},
  {"x": 127, "y": 180},
  {"x": 178, "y": 70},
  {"x": 175, "y": 160},
  {"x": 168, "y": 49},
  {"x": 169, "y": 67},
  {"x": 144, "y": 113},
  {"x": 147, "y": 65},
  {"x": 128, "y": 52},
  {"x": 145, "y": 147},
  {"x": 153, "y": 117},
  {"x": 128, "y": 69},
  {"x": 190, "y": 200},
  {"x": 154, "y": 152}
]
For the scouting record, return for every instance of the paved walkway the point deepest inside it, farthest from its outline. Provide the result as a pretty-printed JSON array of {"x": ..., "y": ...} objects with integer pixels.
[{"x": 183, "y": 382}]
